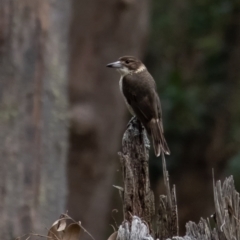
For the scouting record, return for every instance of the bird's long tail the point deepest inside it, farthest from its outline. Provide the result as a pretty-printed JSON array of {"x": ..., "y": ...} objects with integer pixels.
[{"x": 159, "y": 142}]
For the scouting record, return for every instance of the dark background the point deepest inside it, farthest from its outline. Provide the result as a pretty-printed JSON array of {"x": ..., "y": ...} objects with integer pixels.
[{"x": 62, "y": 116}]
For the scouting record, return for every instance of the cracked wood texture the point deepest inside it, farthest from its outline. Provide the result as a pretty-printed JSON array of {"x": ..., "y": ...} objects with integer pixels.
[
  {"x": 33, "y": 114},
  {"x": 227, "y": 216},
  {"x": 138, "y": 198},
  {"x": 167, "y": 215}
]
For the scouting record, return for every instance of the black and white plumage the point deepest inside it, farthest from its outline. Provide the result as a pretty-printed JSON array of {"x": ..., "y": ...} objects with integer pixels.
[{"x": 139, "y": 91}]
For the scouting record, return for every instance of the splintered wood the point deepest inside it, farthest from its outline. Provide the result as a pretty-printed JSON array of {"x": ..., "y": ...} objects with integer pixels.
[
  {"x": 167, "y": 215},
  {"x": 226, "y": 216},
  {"x": 138, "y": 200}
]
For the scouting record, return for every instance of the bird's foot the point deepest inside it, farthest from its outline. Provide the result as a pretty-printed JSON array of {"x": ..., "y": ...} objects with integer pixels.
[
  {"x": 139, "y": 131},
  {"x": 132, "y": 121},
  {"x": 136, "y": 124}
]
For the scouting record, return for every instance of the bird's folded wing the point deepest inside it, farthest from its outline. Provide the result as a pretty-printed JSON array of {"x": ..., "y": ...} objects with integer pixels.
[
  {"x": 142, "y": 97},
  {"x": 143, "y": 107}
]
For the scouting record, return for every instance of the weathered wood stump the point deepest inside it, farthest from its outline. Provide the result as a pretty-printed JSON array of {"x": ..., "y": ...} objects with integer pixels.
[{"x": 138, "y": 200}]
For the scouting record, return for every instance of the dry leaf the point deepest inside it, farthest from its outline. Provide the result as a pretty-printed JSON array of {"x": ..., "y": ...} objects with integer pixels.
[
  {"x": 56, "y": 222},
  {"x": 54, "y": 234},
  {"x": 61, "y": 225},
  {"x": 113, "y": 236},
  {"x": 72, "y": 232}
]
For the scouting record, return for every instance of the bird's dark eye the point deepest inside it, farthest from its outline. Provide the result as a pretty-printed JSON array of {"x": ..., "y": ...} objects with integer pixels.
[{"x": 127, "y": 62}]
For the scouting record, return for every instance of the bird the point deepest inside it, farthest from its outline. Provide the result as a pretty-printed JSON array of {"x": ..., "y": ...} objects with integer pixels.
[{"x": 139, "y": 92}]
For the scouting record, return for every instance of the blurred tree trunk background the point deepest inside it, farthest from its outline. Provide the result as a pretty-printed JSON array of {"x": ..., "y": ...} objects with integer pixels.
[
  {"x": 101, "y": 32},
  {"x": 33, "y": 114}
]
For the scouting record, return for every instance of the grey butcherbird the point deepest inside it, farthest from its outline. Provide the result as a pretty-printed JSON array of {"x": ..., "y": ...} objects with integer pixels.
[{"x": 139, "y": 91}]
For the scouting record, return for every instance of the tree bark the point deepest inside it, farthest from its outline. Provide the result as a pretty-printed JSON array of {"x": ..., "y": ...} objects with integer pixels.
[
  {"x": 167, "y": 215},
  {"x": 137, "y": 197},
  {"x": 33, "y": 114},
  {"x": 138, "y": 200},
  {"x": 101, "y": 32}
]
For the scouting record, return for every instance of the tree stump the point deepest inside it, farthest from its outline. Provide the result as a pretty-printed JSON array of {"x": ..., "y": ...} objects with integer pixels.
[{"x": 138, "y": 200}]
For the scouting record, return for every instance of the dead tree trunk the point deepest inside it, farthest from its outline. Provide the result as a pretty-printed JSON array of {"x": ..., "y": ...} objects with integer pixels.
[
  {"x": 138, "y": 204},
  {"x": 138, "y": 198}
]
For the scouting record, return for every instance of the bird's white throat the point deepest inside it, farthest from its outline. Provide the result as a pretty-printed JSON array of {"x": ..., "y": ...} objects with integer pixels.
[{"x": 123, "y": 71}]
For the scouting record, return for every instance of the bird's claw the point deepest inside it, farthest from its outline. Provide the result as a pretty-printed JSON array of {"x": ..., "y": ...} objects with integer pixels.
[{"x": 131, "y": 121}]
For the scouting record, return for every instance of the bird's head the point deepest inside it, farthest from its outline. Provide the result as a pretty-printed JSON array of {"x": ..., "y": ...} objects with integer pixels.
[{"x": 127, "y": 65}]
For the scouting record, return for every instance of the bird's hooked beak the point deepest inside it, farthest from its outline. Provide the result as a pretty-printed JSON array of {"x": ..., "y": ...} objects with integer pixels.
[{"x": 116, "y": 64}]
